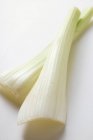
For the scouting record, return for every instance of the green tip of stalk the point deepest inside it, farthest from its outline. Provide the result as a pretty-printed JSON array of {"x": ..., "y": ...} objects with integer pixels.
[{"x": 84, "y": 21}]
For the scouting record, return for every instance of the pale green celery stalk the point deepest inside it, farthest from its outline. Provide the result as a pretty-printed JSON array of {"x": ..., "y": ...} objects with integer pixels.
[
  {"x": 45, "y": 105},
  {"x": 16, "y": 84}
]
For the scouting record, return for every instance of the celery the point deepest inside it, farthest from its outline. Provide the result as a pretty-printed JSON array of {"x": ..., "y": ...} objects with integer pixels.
[{"x": 45, "y": 105}]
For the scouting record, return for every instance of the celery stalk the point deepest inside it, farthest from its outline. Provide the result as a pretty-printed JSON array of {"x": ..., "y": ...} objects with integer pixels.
[
  {"x": 17, "y": 83},
  {"x": 46, "y": 102}
]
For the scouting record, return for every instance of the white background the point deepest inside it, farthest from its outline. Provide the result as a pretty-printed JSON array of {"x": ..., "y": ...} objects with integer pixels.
[{"x": 26, "y": 27}]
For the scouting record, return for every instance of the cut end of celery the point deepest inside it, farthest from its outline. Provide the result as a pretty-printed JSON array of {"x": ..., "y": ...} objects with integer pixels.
[
  {"x": 45, "y": 126},
  {"x": 8, "y": 93}
]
